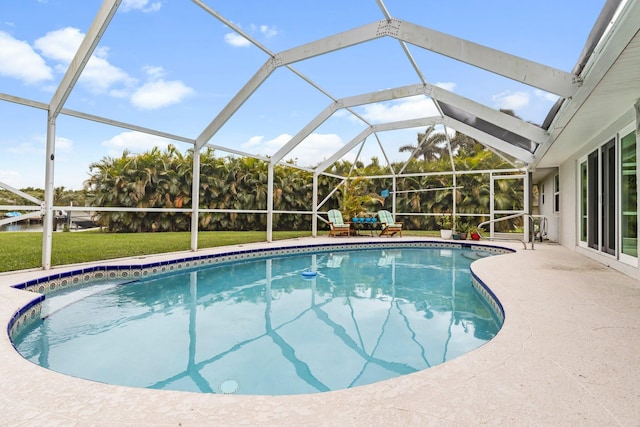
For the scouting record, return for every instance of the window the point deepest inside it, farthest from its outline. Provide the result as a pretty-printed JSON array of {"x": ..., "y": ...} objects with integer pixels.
[
  {"x": 628, "y": 195},
  {"x": 556, "y": 193}
]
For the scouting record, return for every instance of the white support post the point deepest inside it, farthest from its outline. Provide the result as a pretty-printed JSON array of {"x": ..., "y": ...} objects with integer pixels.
[
  {"x": 526, "y": 204},
  {"x": 47, "y": 206},
  {"x": 270, "y": 204},
  {"x": 454, "y": 178},
  {"x": 492, "y": 214},
  {"x": 195, "y": 198},
  {"x": 453, "y": 201},
  {"x": 393, "y": 199},
  {"x": 314, "y": 217}
]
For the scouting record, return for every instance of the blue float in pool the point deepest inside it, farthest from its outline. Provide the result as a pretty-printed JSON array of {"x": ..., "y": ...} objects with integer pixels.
[{"x": 309, "y": 273}]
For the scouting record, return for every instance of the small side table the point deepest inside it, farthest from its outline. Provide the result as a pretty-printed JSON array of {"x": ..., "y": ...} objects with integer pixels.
[{"x": 365, "y": 224}]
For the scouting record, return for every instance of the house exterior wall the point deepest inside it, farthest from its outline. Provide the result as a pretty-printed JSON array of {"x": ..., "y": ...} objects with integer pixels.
[
  {"x": 546, "y": 206},
  {"x": 569, "y": 198},
  {"x": 569, "y": 215}
]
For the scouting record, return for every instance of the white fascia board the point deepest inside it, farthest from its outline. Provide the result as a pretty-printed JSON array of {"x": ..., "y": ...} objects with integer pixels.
[
  {"x": 332, "y": 43},
  {"x": 528, "y": 72},
  {"x": 505, "y": 121},
  {"x": 83, "y": 54},
  {"x": 304, "y": 132},
  {"x": 490, "y": 141},
  {"x": 241, "y": 97},
  {"x": 344, "y": 150}
]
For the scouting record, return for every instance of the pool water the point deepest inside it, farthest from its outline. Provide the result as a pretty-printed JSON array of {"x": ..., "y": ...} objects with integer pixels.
[{"x": 261, "y": 327}]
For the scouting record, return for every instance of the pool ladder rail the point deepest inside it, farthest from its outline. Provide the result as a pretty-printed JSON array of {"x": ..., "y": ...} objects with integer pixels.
[{"x": 529, "y": 237}]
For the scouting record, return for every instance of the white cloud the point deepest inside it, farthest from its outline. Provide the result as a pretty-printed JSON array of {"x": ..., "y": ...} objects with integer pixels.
[
  {"x": 11, "y": 178},
  {"x": 404, "y": 109},
  {"x": 158, "y": 93},
  {"x": 18, "y": 60},
  {"x": 142, "y": 5},
  {"x": 257, "y": 144},
  {"x": 135, "y": 142},
  {"x": 450, "y": 86},
  {"x": 511, "y": 100},
  {"x": 154, "y": 72},
  {"x": 313, "y": 150},
  {"x": 546, "y": 95},
  {"x": 36, "y": 145},
  {"x": 60, "y": 45},
  {"x": 99, "y": 76},
  {"x": 27, "y": 148},
  {"x": 21, "y": 178},
  {"x": 63, "y": 144},
  {"x": 268, "y": 31},
  {"x": 236, "y": 40}
]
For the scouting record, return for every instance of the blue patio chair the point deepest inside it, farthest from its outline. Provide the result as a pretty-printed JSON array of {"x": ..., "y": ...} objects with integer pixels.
[
  {"x": 389, "y": 226},
  {"x": 338, "y": 226}
]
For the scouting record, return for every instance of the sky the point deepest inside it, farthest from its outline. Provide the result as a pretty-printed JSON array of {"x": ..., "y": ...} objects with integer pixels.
[{"x": 169, "y": 65}]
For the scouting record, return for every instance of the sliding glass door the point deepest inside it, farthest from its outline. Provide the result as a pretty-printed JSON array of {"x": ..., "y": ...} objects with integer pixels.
[
  {"x": 608, "y": 205},
  {"x": 629, "y": 197},
  {"x": 608, "y": 189},
  {"x": 591, "y": 200}
]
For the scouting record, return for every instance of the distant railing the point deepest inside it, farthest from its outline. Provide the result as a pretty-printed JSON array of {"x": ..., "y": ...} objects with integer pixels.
[{"x": 532, "y": 231}]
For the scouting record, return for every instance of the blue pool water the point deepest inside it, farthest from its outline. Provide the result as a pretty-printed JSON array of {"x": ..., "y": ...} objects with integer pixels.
[{"x": 263, "y": 327}]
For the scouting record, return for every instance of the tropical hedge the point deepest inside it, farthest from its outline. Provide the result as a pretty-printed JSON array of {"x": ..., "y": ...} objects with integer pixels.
[{"x": 162, "y": 179}]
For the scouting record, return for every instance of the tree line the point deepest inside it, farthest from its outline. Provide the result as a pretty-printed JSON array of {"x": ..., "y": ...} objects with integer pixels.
[
  {"x": 157, "y": 179},
  {"x": 162, "y": 179}
]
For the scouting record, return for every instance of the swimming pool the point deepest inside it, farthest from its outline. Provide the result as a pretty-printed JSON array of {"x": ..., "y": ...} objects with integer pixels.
[{"x": 357, "y": 321}]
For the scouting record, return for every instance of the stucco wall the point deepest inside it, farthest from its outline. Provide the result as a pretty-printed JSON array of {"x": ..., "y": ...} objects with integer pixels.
[{"x": 545, "y": 207}]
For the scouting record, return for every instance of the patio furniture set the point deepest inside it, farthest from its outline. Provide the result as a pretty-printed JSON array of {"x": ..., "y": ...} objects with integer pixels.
[{"x": 382, "y": 223}]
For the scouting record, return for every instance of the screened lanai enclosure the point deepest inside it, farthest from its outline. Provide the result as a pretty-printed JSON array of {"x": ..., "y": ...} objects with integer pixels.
[{"x": 358, "y": 96}]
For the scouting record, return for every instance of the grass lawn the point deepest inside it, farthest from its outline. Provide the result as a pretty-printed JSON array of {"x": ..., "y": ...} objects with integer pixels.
[{"x": 23, "y": 250}]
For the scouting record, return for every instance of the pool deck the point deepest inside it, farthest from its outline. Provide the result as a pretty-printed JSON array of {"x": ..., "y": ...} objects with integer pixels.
[{"x": 568, "y": 354}]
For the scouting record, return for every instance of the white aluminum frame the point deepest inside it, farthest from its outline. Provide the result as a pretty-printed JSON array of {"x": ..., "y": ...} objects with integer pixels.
[{"x": 547, "y": 78}]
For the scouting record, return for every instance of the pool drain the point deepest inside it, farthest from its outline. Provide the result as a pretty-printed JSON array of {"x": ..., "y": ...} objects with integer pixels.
[{"x": 229, "y": 386}]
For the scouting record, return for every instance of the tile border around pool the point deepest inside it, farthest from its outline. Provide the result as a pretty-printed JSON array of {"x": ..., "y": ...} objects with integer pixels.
[
  {"x": 54, "y": 282},
  {"x": 488, "y": 295}
]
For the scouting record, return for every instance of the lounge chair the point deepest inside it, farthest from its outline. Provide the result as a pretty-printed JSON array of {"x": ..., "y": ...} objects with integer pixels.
[
  {"x": 335, "y": 261},
  {"x": 388, "y": 257},
  {"x": 389, "y": 226},
  {"x": 338, "y": 226}
]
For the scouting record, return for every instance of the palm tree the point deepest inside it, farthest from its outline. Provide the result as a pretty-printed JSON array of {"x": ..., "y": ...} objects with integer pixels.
[{"x": 429, "y": 146}]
